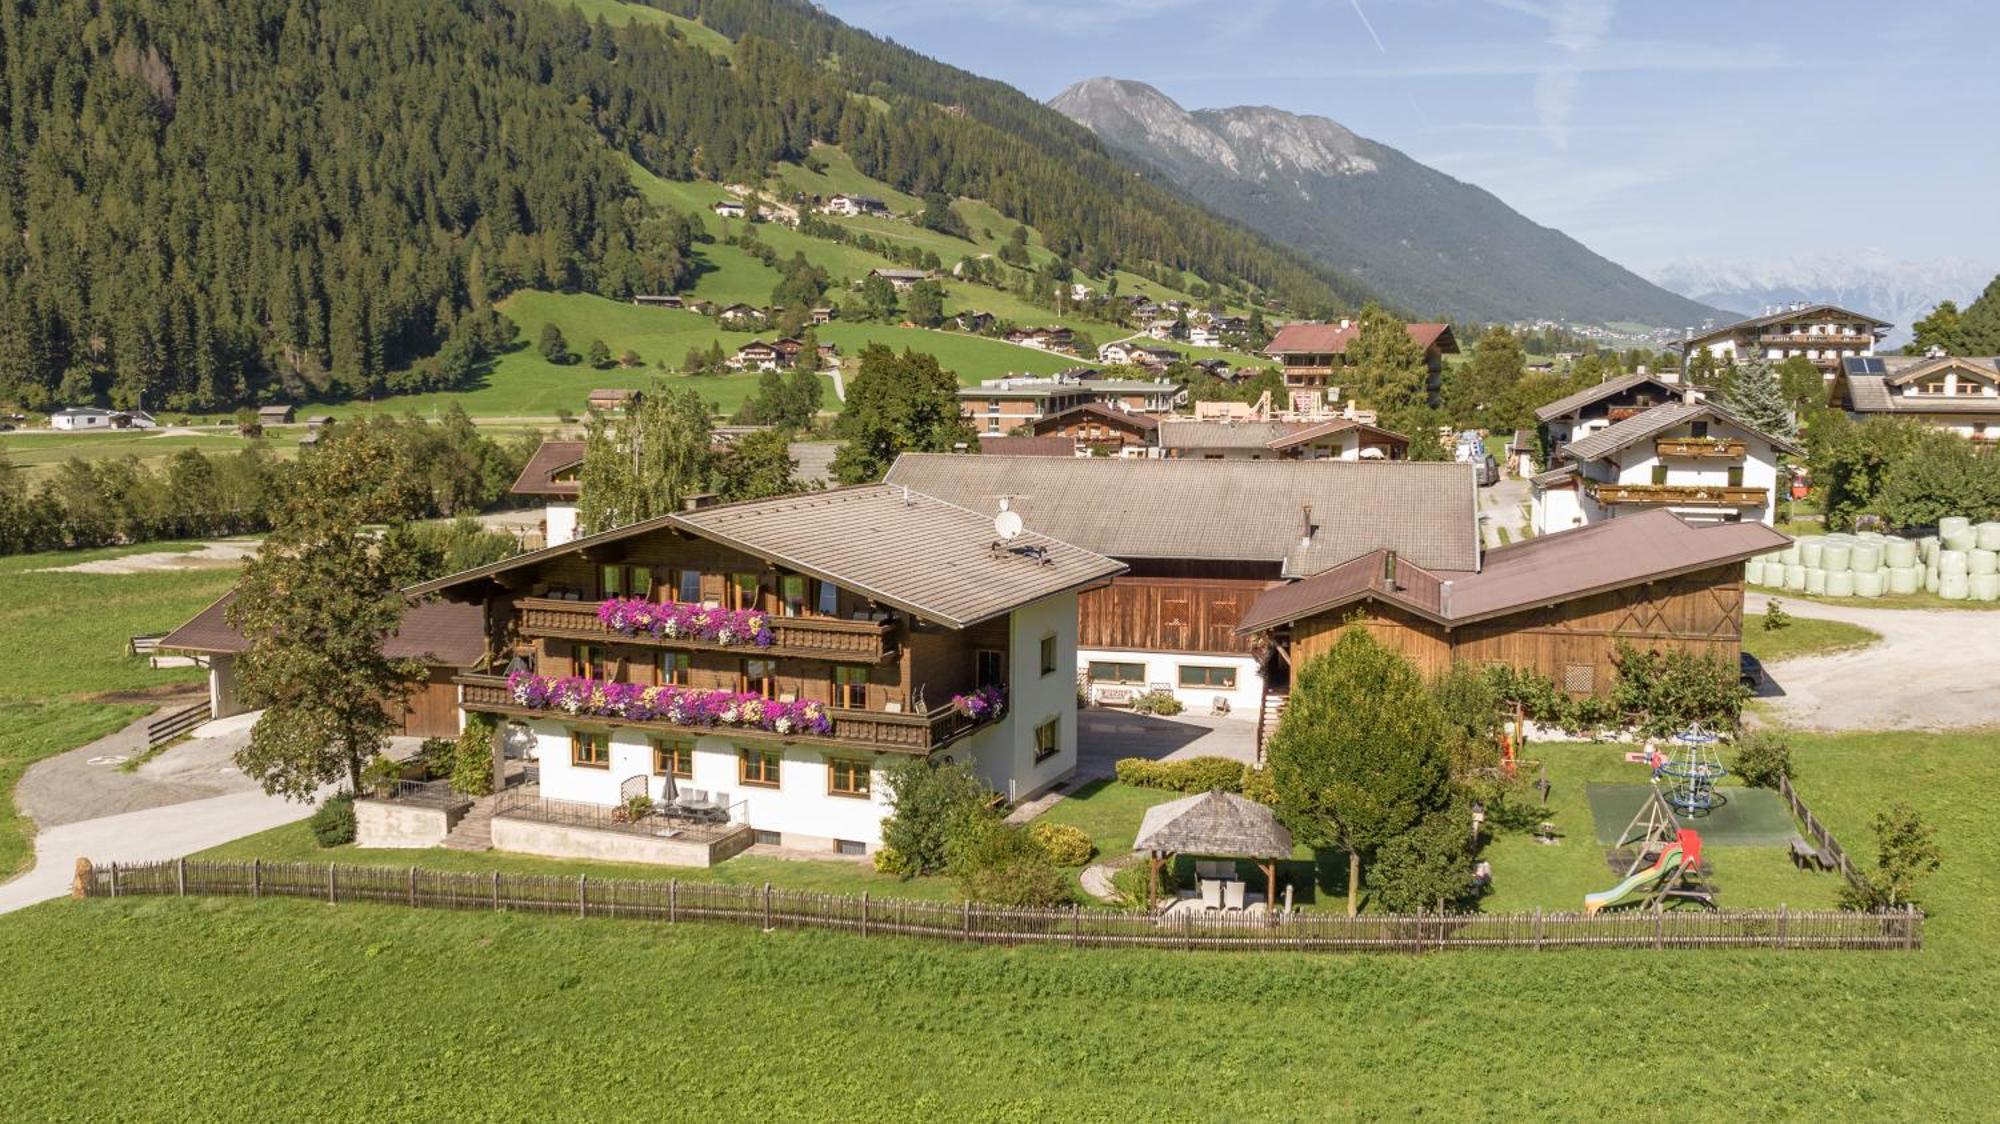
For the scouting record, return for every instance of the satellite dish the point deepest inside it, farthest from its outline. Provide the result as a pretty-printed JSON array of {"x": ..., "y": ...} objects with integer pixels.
[{"x": 1007, "y": 524}]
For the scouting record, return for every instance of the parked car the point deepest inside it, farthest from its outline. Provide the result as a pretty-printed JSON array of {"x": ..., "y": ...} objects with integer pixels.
[
  {"x": 1489, "y": 472},
  {"x": 1750, "y": 671}
]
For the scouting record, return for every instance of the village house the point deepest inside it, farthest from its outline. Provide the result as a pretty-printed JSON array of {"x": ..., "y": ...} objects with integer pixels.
[
  {"x": 901, "y": 279},
  {"x": 1958, "y": 394},
  {"x": 1204, "y": 335},
  {"x": 759, "y": 664},
  {"x": 997, "y": 406},
  {"x": 741, "y": 315},
  {"x": 855, "y": 206},
  {"x": 757, "y": 356},
  {"x": 1576, "y": 416},
  {"x": 1164, "y": 329},
  {"x": 1823, "y": 333},
  {"x": 1156, "y": 358},
  {"x": 1117, "y": 353},
  {"x": 1312, "y": 355},
  {"x": 658, "y": 300},
  {"x": 1095, "y": 429},
  {"x": 729, "y": 208},
  {"x": 1010, "y": 445},
  {"x": 824, "y": 314},
  {"x": 75, "y": 418},
  {"x": 1690, "y": 457},
  {"x": 974, "y": 322},
  {"x": 1336, "y": 439},
  {"x": 1056, "y": 338},
  {"x": 608, "y": 400},
  {"x": 279, "y": 414}
]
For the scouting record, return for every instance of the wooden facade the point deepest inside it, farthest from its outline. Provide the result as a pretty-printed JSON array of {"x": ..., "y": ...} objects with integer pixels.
[
  {"x": 1571, "y": 642},
  {"x": 430, "y": 710},
  {"x": 1153, "y": 614}
]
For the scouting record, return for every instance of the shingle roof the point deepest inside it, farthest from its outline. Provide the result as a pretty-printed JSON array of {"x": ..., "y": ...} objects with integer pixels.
[
  {"x": 1546, "y": 569},
  {"x": 1554, "y": 476},
  {"x": 551, "y": 458},
  {"x": 442, "y": 633},
  {"x": 1054, "y": 445},
  {"x": 923, "y": 555},
  {"x": 1176, "y": 434},
  {"x": 1223, "y": 510},
  {"x": 1870, "y": 394},
  {"x": 1328, "y": 428},
  {"x": 1570, "y": 403},
  {"x": 1100, "y": 411},
  {"x": 1646, "y": 424},
  {"x": 1214, "y": 823},
  {"x": 1779, "y": 317},
  {"x": 1332, "y": 339}
]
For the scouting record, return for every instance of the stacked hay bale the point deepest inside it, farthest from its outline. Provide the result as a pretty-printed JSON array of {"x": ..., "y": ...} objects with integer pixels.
[{"x": 1952, "y": 564}]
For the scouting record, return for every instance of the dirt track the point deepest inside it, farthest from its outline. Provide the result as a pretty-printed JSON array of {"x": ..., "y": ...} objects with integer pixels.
[{"x": 1933, "y": 670}]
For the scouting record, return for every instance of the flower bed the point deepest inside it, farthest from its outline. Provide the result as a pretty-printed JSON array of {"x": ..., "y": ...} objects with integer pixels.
[
  {"x": 636, "y": 616},
  {"x": 682, "y": 706},
  {"x": 981, "y": 703}
]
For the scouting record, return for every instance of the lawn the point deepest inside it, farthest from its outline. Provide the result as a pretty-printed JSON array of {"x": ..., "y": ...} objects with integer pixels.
[
  {"x": 77, "y": 684},
  {"x": 41, "y": 452},
  {"x": 617, "y": 13},
  {"x": 1805, "y": 636}
]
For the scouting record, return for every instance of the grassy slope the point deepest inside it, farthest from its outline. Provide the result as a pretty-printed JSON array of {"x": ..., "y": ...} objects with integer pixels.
[
  {"x": 618, "y": 14},
  {"x": 1805, "y": 636},
  {"x": 73, "y": 629},
  {"x": 40, "y": 453}
]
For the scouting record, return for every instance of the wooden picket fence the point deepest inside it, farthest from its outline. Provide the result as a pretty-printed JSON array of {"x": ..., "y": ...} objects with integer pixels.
[
  {"x": 1821, "y": 838},
  {"x": 769, "y": 908}
]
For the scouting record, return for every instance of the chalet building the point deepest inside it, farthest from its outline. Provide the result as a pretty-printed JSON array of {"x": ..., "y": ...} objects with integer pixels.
[
  {"x": 1313, "y": 355},
  {"x": 1157, "y": 358},
  {"x": 901, "y": 279},
  {"x": 442, "y": 636},
  {"x": 855, "y": 206},
  {"x": 974, "y": 322},
  {"x": 1204, "y": 335},
  {"x": 1557, "y": 605},
  {"x": 824, "y": 314},
  {"x": 741, "y": 314},
  {"x": 729, "y": 208},
  {"x": 552, "y": 476},
  {"x": 1339, "y": 439},
  {"x": 1576, "y": 416},
  {"x": 772, "y": 657},
  {"x": 1117, "y": 353},
  {"x": 1824, "y": 333},
  {"x": 1164, "y": 329},
  {"x": 997, "y": 406},
  {"x": 1954, "y": 393},
  {"x": 1055, "y": 338},
  {"x": 1691, "y": 457},
  {"x": 607, "y": 400},
  {"x": 658, "y": 300},
  {"x": 1202, "y": 541},
  {"x": 757, "y": 356},
  {"x": 1007, "y": 445},
  {"x": 1095, "y": 429}
]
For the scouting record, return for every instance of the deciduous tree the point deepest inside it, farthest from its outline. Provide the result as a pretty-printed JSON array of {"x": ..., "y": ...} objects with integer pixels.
[
  {"x": 896, "y": 404},
  {"x": 644, "y": 462}
]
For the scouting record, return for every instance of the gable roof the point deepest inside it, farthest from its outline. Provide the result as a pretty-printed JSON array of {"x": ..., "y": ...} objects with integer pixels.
[
  {"x": 1590, "y": 395},
  {"x": 1546, "y": 569},
  {"x": 1178, "y": 433},
  {"x": 1144, "y": 423},
  {"x": 1332, "y": 339},
  {"x": 1644, "y": 425},
  {"x": 918, "y": 553},
  {"x": 1317, "y": 430},
  {"x": 1808, "y": 312},
  {"x": 1871, "y": 394},
  {"x": 551, "y": 459},
  {"x": 1911, "y": 368},
  {"x": 440, "y": 633},
  {"x": 1053, "y": 445},
  {"x": 1242, "y": 511}
]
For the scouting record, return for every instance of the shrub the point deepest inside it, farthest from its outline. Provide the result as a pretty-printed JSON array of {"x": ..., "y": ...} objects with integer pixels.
[
  {"x": 472, "y": 757},
  {"x": 380, "y": 775},
  {"x": 333, "y": 821},
  {"x": 1156, "y": 702},
  {"x": 1131, "y": 882},
  {"x": 1064, "y": 844},
  {"x": 999, "y": 863},
  {"x": 1775, "y": 617},
  {"x": 1668, "y": 690},
  {"x": 889, "y": 860},
  {"x": 436, "y": 757},
  {"x": 1905, "y": 850},
  {"x": 1762, "y": 756},
  {"x": 1471, "y": 710},
  {"x": 1257, "y": 786},
  {"x": 1193, "y": 774},
  {"x": 1427, "y": 869},
  {"x": 930, "y": 805}
]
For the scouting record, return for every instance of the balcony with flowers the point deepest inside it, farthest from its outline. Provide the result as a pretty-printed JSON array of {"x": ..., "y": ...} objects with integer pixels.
[{"x": 690, "y": 625}]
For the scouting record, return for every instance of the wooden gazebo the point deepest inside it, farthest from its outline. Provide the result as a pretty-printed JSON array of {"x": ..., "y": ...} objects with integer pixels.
[{"x": 1214, "y": 824}]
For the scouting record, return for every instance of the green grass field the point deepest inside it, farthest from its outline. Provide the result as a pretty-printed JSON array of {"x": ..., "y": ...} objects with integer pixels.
[
  {"x": 1805, "y": 636},
  {"x": 618, "y": 14},
  {"x": 41, "y": 452}
]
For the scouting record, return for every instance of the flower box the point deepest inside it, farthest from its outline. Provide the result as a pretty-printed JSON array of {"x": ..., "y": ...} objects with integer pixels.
[
  {"x": 673, "y": 620},
  {"x": 680, "y": 706}
]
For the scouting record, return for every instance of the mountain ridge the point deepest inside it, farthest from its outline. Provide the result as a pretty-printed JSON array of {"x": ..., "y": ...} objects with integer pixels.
[{"x": 1429, "y": 242}]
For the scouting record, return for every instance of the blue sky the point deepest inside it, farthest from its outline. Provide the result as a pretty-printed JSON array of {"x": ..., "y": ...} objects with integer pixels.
[{"x": 1653, "y": 131}]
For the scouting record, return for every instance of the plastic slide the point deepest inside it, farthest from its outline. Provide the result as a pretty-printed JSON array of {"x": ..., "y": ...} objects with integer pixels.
[{"x": 1687, "y": 847}]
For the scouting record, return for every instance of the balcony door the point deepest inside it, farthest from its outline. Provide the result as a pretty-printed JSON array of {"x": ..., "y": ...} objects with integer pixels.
[{"x": 850, "y": 687}]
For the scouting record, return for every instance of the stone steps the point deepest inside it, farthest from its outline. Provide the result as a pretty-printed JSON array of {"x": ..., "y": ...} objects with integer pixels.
[{"x": 475, "y": 831}]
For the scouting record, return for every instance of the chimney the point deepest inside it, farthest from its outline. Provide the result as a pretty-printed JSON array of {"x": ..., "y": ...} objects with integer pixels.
[
  {"x": 695, "y": 501},
  {"x": 1307, "y": 510},
  {"x": 1389, "y": 570}
]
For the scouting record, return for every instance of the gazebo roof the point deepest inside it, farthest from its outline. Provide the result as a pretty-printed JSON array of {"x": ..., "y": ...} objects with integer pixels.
[{"x": 1214, "y": 823}]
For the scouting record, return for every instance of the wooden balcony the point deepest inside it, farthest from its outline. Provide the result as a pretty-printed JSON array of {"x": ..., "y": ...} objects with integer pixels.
[
  {"x": 918, "y": 734},
  {"x": 1808, "y": 339},
  {"x": 1717, "y": 448},
  {"x": 1716, "y": 495},
  {"x": 817, "y": 638}
]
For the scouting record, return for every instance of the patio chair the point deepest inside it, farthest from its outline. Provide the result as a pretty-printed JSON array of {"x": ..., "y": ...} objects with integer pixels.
[
  {"x": 691, "y": 801},
  {"x": 1211, "y": 893},
  {"x": 718, "y": 809},
  {"x": 1232, "y": 895}
]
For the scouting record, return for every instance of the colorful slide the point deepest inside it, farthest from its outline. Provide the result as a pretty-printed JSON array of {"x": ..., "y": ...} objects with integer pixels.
[{"x": 1684, "y": 851}]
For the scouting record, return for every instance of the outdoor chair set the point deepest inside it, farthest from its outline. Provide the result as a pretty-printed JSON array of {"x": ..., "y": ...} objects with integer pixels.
[{"x": 1219, "y": 886}]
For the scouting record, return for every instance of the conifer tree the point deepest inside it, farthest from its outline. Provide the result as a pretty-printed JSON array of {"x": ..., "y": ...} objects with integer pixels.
[{"x": 1755, "y": 397}]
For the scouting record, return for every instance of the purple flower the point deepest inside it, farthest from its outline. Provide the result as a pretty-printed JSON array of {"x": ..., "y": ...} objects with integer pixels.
[
  {"x": 981, "y": 703},
  {"x": 677, "y": 620},
  {"x": 681, "y": 706}
]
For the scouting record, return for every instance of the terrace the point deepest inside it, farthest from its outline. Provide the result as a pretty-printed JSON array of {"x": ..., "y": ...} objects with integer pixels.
[
  {"x": 694, "y": 833},
  {"x": 1720, "y": 494},
  {"x": 1707, "y": 447},
  {"x": 804, "y": 637}
]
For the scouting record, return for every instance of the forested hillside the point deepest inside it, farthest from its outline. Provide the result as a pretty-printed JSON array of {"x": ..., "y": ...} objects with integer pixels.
[{"x": 220, "y": 202}]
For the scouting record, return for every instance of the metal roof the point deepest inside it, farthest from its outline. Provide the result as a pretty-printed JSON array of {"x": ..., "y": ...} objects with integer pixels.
[
  {"x": 1570, "y": 403},
  {"x": 1646, "y": 424},
  {"x": 440, "y": 633},
  {"x": 1223, "y": 510},
  {"x": 537, "y": 476}
]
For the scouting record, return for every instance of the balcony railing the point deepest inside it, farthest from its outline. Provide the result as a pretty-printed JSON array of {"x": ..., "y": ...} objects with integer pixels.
[
  {"x": 873, "y": 729},
  {"x": 1719, "y": 447},
  {"x": 1808, "y": 339},
  {"x": 825, "y": 638},
  {"x": 1722, "y": 495}
]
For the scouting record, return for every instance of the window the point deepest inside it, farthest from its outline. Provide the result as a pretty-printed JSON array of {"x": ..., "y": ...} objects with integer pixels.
[
  {"x": 624, "y": 581},
  {"x": 847, "y": 778},
  {"x": 849, "y": 847},
  {"x": 673, "y": 759},
  {"x": 1736, "y": 476},
  {"x": 590, "y": 749},
  {"x": 688, "y": 586},
  {"x": 587, "y": 660},
  {"x": 1047, "y": 736},
  {"x": 850, "y": 687},
  {"x": 760, "y": 677},
  {"x": 792, "y": 594},
  {"x": 743, "y": 591},
  {"x": 829, "y": 600},
  {"x": 1104, "y": 671},
  {"x": 1701, "y": 429},
  {"x": 989, "y": 668},
  {"x": 676, "y": 668},
  {"x": 1659, "y": 474},
  {"x": 759, "y": 767},
  {"x": 1219, "y": 677},
  {"x": 1049, "y": 654}
]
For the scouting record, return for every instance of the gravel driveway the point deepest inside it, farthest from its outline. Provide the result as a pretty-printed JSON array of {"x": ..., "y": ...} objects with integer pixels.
[{"x": 1933, "y": 670}]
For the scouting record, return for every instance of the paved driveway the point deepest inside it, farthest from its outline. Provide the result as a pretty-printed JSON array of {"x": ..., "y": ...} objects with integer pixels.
[
  {"x": 1933, "y": 670},
  {"x": 1502, "y": 505},
  {"x": 1105, "y": 735}
]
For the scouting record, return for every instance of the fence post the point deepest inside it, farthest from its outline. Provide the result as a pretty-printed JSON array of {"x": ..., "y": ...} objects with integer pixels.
[
  {"x": 1538, "y": 928},
  {"x": 181, "y": 876},
  {"x": 1781, "y": 924},
  {"x": 1909, "y": 925},
  {"x": 256, "y": 878},
  {"x": 582, "y": 882},
  {"x": 673, "y": 894},
  {"x": 968, "y": 920},
  {"x": 1659, "y": 927},
  {"x": 332, "y": 886},
  {"x": 767, "y": 907},
  {"x": 496, "y": 891},
  {"x": 864, "y": 913},
  {"x": 114, "y": 880},
  {"x": 413, "y": 887}
]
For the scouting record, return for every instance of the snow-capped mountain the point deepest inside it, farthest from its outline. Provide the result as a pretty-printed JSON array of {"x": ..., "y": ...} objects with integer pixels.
[{"x": 1875, "y": 283}]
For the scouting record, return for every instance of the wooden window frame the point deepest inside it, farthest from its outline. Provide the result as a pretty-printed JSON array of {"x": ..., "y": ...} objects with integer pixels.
[
  {"x": 770, "y": 763},
  {"x": 1049, "y": 655},
  {"x": 1053, "y": 727},
  {"x": 745, "y": 591},
  {"x": 765, "y": 686},
  {"x": 821, "y": 591},
  {"x": 1659, "y": 475},
  {"x": 1734, "y": 476},
  {"x": 840, "y": 677},
  {"x": 1116, "y": 680},
  {"x": 999, "y": 657},
  {"x": 1181, "y": 676},
  {"x": 669, "y": 668},
  {"x": 584, "y": 668},
  {"x": 787, "y": 606},
  {"x": 680, "y": 587},
  {"x": 579, "y": 738},
  {"x": 682, "y": 750},
  {"x": 857, "y": 768}
]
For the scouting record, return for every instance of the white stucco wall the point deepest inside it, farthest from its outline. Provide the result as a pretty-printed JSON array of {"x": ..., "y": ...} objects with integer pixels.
[
  {"x": 1003, "y": 754},
  {"x": 1555, "y": 509},
  {"x": 1163, "y": 669},
  {"x": 561, "y": 519},
  {"x": 1634, "y": 465}
]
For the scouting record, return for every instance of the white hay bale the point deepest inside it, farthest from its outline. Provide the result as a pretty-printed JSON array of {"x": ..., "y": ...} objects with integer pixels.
[
  {"x": 1836, "y": 556},
  {"x": 1815, "y": 580},
  {"x": 1753, "y": 571},
  {"x": 1982, "y": 562},
  {"x": 1963, "y": 540},
  {"x": 1795, "y": 577},
  {"x": 1899, "y": 552},
  {"x": 1812, "y": 549},
  {"x": 1871, "y": 584},
  {"x": 1953, "y": 564},
  {"x": 1866, "y": 558},
  {"x": 1984, "y": 587},
  {"x": 1953, "y": 524},
  {"x": 1840, "y": 583},
  {"x": 1789, "y": 556},
  {"x": 1905, "y": 579},
  {"x": 1953, "y": 587},
  {"x": 1987, "y": 535}
]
